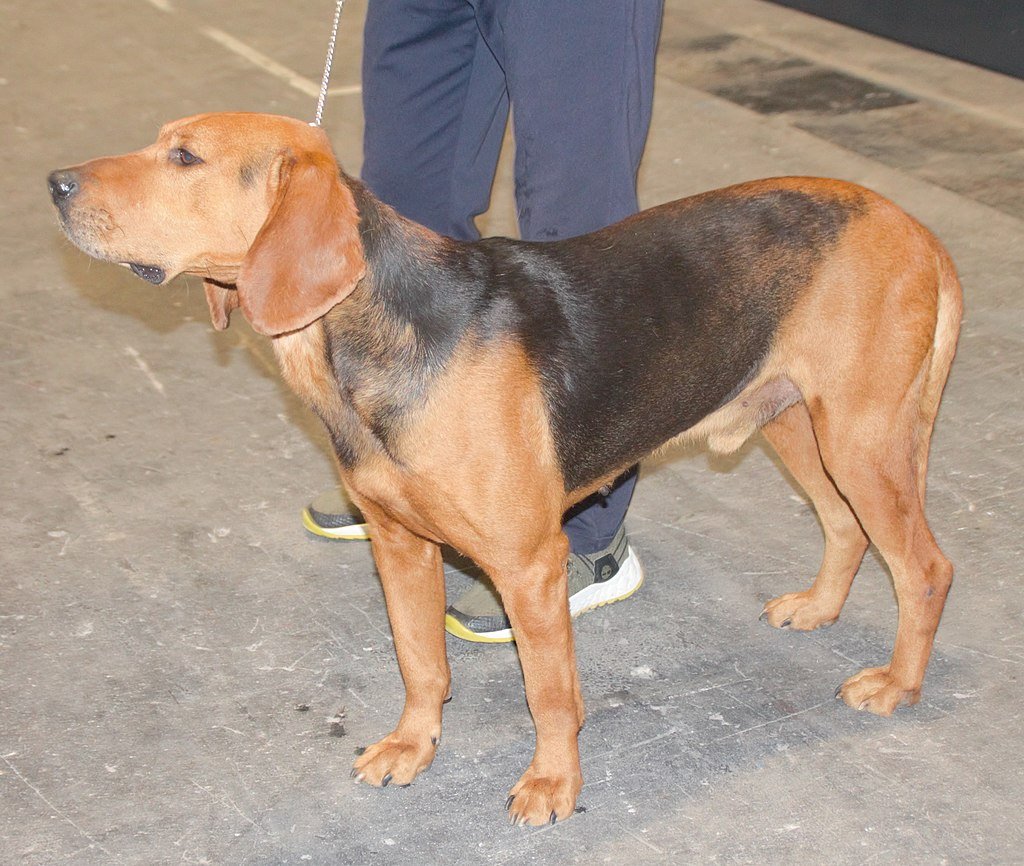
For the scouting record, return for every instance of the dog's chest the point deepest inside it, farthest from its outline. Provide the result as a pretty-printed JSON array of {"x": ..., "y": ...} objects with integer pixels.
[
  {"x": 368, "y": 472},
  {"x": 352, "y": 420},
  {"x": 302, "y": 358}
]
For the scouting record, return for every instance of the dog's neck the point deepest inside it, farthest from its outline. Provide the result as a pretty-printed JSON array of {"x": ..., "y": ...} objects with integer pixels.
[
  {"x": 395, "y": 333},
  {"x": 416, "y": 277}
]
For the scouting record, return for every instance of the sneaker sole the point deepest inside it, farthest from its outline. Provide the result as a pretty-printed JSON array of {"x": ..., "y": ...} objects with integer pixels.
[
  {"x": 354, "y": 532},
  {"x": 628, "y": 579}
]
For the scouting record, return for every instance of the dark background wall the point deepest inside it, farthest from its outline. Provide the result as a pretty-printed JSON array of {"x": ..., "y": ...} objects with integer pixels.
[{"x": 989, "y": 33}]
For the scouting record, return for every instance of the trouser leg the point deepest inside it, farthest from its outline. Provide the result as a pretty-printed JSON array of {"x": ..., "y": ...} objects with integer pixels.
[
  {"x": 581, "y": 80},
  {"x": 436, "y": 108}
]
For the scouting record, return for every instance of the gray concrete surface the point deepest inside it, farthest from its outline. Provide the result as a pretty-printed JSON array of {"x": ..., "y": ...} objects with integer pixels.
[{"x": 184, "y": 674}]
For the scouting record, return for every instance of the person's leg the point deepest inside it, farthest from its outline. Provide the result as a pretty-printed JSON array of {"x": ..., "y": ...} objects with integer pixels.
[
  {"x": 436, "y": 107},
  {"x": 581, "y": 80},
  {"x": 592, "y": 524}
]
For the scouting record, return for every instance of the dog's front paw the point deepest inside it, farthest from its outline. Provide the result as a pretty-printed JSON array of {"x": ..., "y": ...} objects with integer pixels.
[
  {"x": 538, "y": 799},
  {"x": 877, "y": 691},
  {"x": 800, "y": 611},
  {"x": 395, "y": 759}
]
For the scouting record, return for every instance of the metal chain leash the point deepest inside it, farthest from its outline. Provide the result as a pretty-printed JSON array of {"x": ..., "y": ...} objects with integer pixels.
[{"x": 327, "y": 66}]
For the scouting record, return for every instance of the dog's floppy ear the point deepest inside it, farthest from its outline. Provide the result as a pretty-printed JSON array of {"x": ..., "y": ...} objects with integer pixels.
[
  {"x": 308, "y": 255},
  {"x": 221, "y": 302}
]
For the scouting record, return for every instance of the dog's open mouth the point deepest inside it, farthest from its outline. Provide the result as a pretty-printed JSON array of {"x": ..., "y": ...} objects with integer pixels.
[{"x": 150, "y": 273}]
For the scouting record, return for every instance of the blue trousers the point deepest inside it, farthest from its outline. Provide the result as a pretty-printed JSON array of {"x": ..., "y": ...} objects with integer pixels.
[{"x": 439, "y": 80}]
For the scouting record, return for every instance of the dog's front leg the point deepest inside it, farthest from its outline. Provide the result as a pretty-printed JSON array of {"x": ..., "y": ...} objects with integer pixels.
[
  {"x": 536, "y": 599},
  {"x": 412, "y": 574}
]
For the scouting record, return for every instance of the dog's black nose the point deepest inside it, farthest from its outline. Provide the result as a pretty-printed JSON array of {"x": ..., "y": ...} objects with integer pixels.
[{"x": 63, "y": 185}]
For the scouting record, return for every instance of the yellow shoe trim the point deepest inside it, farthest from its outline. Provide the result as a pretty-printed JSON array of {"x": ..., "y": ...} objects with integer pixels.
[
  {"x": 312, "y": 526},
  {"x": 456, "y": 628},
  {"x": 622, "y": 597}
]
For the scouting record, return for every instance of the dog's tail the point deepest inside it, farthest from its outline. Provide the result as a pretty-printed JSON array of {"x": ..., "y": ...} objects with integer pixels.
[{"x": 949, "y": 314}]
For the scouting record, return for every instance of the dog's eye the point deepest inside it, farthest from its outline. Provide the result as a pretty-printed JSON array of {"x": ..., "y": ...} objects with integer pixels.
[{"x": 183, "y": 157}]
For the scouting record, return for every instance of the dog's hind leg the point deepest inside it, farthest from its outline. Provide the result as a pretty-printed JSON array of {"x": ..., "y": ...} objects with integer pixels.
[
  {"x": 873, "y": 426},
  {"x": 412, "y": 575},
  {"x": 792, "y": 437},
  {"x": 874, "y": 458}
]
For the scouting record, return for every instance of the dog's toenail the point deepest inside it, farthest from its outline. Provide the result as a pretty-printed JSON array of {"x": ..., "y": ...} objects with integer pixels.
[
  {"x": 553, "y": 818},
  {"x": 763, "y": 614},
  {"x": 508, "y": 802},
  {"x": 785, "y": 623},
  {"x": 839, "y": 690},
  {"x": 385, "y": 781},
  {"x": 433, "y": 741}
]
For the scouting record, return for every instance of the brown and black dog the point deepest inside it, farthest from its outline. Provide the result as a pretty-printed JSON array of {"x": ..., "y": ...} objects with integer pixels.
[{"x": 451, "y": 373}]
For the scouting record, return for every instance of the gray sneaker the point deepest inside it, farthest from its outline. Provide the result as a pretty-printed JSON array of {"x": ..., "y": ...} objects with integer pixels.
[
  {"x": 595, "y": 579},
  {"x": 331, "y": 515}
]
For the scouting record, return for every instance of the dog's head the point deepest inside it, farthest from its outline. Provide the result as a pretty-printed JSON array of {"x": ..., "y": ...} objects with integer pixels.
[{"x": 254, "y": 204}]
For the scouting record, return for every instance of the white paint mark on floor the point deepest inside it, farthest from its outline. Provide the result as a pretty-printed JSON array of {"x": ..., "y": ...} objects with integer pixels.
[
  {"x": 258, "y": 58},
  {"x": 53, "y": 808},
  {"x": 61, "y": 534},
  {"x": 774, "y": 721},
  {"x": 261, "y": 60},
  {"x": 144, "y": 367}
]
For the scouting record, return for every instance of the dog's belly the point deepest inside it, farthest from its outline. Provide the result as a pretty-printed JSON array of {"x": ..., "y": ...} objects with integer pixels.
[
  {"x": 726, "y": 429},
  {"x": 652, "y": 416}
]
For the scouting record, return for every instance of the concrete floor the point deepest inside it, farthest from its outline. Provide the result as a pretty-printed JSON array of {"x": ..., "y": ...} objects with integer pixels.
[{"x": 184, "y": 673}]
